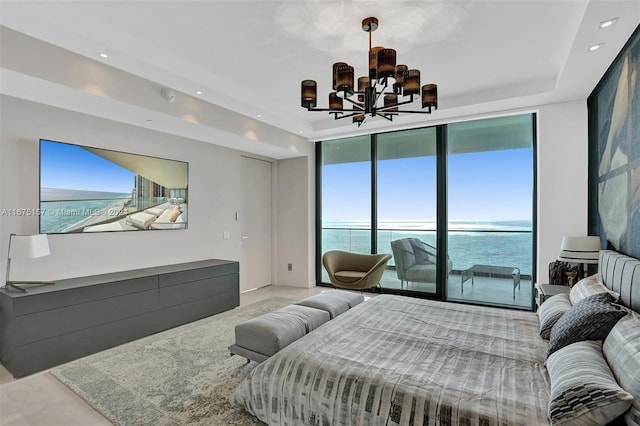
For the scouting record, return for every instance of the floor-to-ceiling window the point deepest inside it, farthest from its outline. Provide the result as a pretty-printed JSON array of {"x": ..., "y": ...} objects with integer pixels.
[
  {"x": 406, "y": 208},
  {"x": 490, "y": 210},
  {"x": 346, "y": 196},
  {"x": 467, "y": 185}
]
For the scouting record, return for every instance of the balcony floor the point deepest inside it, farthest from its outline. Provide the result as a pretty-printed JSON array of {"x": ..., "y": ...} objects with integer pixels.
[{"x": 486, "y": 290}]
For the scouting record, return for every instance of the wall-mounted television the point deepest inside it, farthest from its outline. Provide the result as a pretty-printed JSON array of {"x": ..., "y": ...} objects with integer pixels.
[{"x": 85, "y": 189}]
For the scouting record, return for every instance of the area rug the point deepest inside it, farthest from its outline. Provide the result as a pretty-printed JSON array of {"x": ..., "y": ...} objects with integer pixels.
[{"x": 182, "y": 376}]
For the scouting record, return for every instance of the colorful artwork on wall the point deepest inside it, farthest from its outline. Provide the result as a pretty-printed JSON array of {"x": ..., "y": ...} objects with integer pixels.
[{"x": 614, "y": 153}]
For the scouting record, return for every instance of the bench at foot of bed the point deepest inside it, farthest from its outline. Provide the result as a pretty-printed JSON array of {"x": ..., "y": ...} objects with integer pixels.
[{"x": 259, "y": 338}]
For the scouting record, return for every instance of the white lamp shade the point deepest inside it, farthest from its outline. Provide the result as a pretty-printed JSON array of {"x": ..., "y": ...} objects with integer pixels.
[
  {"x": 580, "y": 249},
  {"x": 29, "y": 246}
]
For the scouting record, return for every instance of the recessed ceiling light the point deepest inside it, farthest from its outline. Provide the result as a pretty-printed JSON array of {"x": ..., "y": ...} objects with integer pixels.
[
  {"x": 595, "y": 47},
  {"x": 608, "y": 23},
  {"x": 104, "y": 55},
  {"x": 300, "y": 132},
  {"x": 259, "y": 115},
  {"x": 198, "y": 92}
]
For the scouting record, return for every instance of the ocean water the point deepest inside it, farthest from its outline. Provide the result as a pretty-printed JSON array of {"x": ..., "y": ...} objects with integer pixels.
[
  {"x": 62, "y": 194},
  {"x": 62, "y": 209},
  {"x": 506, "y": 243}
]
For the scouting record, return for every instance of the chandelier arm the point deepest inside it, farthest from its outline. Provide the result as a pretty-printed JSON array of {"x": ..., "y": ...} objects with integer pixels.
[
  {"x": 390, "y": 106},
  {"x": 348, "y": 115},
  {"x": 355, "y": 111},
  {"x": 390, "y": 118},
  {"x": 414, "y": 112},
  {"x": 381, "y": 92},
  {"x": 400, "y": 103},
  {"x": 357, "y": 104},
  {"x": 405, "y": 102}
]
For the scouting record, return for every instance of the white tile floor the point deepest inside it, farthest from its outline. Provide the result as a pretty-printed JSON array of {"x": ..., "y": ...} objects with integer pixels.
[{"x": 41, "y": 400}]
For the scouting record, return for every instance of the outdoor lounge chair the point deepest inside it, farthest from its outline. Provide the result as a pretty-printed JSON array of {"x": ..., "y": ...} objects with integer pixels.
[{"x": 415, "y": 260}]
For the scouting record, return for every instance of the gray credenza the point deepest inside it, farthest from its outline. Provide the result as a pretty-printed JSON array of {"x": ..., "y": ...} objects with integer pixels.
[{"x": 54, "y": 324}]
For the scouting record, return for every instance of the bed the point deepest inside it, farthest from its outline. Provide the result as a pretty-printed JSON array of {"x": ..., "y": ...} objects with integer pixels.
[{"x": 395, "y": 360}]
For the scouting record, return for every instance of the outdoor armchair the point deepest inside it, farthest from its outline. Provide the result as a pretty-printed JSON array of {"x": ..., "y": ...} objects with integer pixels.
[{"x": 415, "y": 260}]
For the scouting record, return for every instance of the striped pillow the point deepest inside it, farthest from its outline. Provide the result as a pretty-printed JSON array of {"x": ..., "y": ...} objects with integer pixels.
[
  {"x": 583, "y": 389},
  {"x": 622, "y": 350},
  {"x": 550, "y": 311},
  {"x": 588, "y": 287}
]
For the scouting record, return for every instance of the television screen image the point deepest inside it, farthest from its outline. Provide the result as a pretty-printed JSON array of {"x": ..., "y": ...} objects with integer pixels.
[{"x": 85, "y": 189}]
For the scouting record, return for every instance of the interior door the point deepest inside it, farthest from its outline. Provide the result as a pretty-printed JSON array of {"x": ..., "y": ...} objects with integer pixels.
[{"x": 255, "y": 224}]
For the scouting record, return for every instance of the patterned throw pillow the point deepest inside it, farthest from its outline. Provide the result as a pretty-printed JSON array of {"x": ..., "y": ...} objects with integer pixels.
[
  {"x": 590, "y": 319},
  {"x": 551, "y": 311},
  {"x": 588, "y": 287},
  {"x": 622, "y": 351},
  {"x": 583, "y": 389}
]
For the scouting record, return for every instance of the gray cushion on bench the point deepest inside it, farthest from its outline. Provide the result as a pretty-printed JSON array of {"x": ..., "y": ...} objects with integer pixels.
[
  {"x": 269, "y": 333},
  {"x": 335, "y": 302}
]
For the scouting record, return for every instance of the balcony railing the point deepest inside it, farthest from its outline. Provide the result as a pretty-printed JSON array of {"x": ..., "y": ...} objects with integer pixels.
[{"x": 466, "y": 247}]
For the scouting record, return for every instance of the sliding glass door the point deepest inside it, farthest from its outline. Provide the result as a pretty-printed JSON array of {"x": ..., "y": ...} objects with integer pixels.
[{"x": 406, "y": 208}]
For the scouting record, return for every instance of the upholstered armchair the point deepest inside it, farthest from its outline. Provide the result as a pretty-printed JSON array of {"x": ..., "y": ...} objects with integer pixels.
[
  {"x": 415, "y": 260},
  {"x": 354, "y": 271}
]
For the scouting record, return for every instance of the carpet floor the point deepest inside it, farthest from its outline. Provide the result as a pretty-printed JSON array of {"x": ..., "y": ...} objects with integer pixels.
[{"x": 182, "y": 376}]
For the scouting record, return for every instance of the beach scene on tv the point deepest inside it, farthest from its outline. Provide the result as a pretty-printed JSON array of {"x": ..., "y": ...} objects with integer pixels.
[{"x": 85, "y": 189}]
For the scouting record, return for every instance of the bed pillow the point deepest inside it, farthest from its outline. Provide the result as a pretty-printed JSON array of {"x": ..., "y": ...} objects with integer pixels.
[
  {"x": 622, "y": 351},
  {"x": 174, "y": 215},
  {"x": 590, "y": 319},
  {"x": 588, "y": 287},
  {"x": 154, "y": 211},
  {"x": 583, "y": 389},
  {"x": 550, "y": 311}
]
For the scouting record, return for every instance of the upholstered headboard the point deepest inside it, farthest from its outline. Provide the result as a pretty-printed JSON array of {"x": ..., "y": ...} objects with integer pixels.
[{"x": 621, "y": 274}]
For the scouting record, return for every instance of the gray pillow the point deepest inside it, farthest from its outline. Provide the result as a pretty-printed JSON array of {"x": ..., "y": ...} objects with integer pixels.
[
  {"x": 590, "y": 319},
  {"x": 622, "y": 351},
  {"x": 583, "y": 391},
  {"x": 551, "y": 311}
]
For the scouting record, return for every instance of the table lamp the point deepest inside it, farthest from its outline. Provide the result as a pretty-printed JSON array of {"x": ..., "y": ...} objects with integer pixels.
[
  {"x": 584, "y": 250},
  {"x": 28, "y": 247}
]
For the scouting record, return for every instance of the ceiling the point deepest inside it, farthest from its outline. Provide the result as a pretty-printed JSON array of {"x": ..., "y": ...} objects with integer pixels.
[{"x": 248, "y": 57}]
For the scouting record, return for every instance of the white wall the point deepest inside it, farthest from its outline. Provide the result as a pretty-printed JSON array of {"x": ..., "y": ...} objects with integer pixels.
[
  {"x": 214, "y": 195},
  {"x": 562, "y": 178},
  {"x": 295, "y": 222}
]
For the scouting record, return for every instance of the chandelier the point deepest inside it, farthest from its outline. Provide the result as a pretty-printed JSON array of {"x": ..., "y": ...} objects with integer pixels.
[{"x": 366, "y": 101}]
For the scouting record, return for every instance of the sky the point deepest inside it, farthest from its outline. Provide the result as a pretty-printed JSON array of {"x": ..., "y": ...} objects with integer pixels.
[
  {"x": 72, "y": 167},
  {"x": 482, "y": 186}
]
